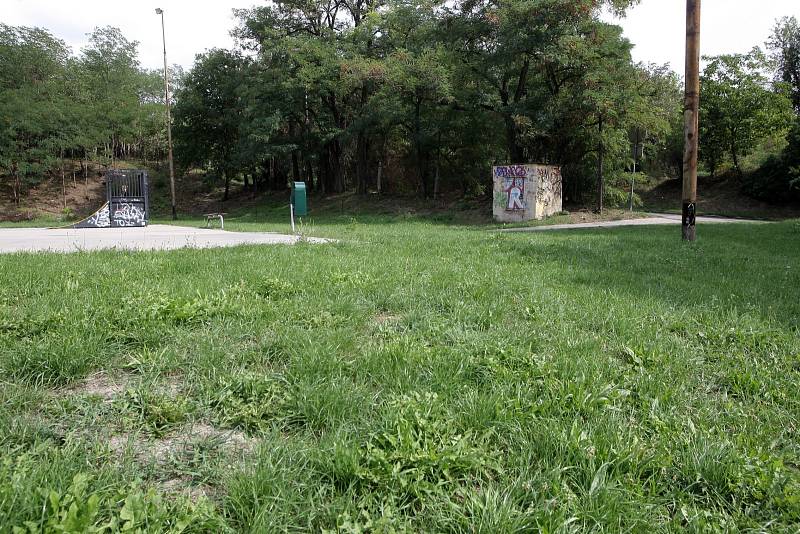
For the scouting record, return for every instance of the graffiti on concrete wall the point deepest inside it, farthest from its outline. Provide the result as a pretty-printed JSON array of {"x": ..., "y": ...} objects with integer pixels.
[
  {"x": 513, "y": 177},
  {"x": 515, "y": 194},
  {"x": 526, "y": 192},
  {"x": 549, "y": 179}
]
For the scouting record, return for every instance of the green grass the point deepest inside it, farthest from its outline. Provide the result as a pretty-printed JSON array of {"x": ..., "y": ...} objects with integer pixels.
[{"x": 415, "y": 376}]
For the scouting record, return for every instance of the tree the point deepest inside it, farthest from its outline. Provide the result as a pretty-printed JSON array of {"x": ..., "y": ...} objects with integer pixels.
[
  {"x": 32, "y": 74},
  {"x": 785, "y": 46},
  {"x": 112, "y": 80},
  {"x": 331, "y": 90},
  {"x": 739, "y": 108},
  {"x": 207, "y": 114}
]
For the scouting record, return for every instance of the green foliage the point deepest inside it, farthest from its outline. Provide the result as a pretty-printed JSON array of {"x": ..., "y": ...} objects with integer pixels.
[
  {"x": 785, "y": 46},
  {"x": 156, "y": 412},
  {"x": 275, "y": 288},
  {"x": 54, "y": 105},
  {"x": 739, "y": 108},
  {"x": 71, "y": 512},
  {"x": 413, "y": 377},
  {"x": 618, "y": 191},
  {"x": 51, "y": 492},
  {"x": 207, "y": 121},
  {"x": 778, "y": 179},
  {"x": 426, "y": 95},
  {"x": 251, "y": 403},
  {"x": 420, "y": 456}
]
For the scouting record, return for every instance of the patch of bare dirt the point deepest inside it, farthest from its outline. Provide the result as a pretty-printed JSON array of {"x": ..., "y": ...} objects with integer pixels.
[
  {"x": 108, "y": 387},
  {"x": 186, "y": 487},
  {"x": 715, "y": 196},
  {"x": 83, "y": 195},
  {"x": 609, "y": 214},
  {"x": 175, "y": 445},
  {"x": 386, "y": 317},
  {"x": 181, "y": 448},
  {"x": 99, "y": 385}
]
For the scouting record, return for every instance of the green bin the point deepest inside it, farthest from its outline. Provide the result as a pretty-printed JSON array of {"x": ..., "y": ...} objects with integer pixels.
[{"x": 299, "y": 199}]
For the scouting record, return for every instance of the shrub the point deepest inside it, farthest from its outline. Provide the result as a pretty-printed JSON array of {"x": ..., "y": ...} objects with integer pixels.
[{"x": 778, "y": 179}]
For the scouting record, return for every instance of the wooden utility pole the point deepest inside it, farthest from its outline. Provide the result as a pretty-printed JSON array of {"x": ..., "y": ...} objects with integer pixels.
[{"x": 691, "y": 116}]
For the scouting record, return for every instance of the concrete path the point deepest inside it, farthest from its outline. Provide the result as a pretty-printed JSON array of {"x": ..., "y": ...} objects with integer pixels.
[
  {"x": 651, "y": 219},
  {"x": 153, "y": 237}
]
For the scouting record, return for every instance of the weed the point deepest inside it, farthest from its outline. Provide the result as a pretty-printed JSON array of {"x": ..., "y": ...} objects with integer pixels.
[
  {"x": 249, "y": 402},
  {"x": 154, "y": 411}
]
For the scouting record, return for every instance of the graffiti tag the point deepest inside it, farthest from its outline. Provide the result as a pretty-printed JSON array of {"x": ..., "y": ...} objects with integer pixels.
[
  {"x": 515, "y": 191},
  {"x": 101, "y": 218},
  {"x": 508, "y": 171},
  {"x": 126, "y": 214}
]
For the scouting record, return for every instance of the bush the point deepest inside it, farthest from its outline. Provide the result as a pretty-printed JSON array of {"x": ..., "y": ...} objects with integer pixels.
[
  {"x": 778, "y": 179},
  {"x": 617, "y": 191}
]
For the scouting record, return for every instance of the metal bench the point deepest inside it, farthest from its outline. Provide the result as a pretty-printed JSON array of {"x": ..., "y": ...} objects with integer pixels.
[{"x": 211, "y": 216}]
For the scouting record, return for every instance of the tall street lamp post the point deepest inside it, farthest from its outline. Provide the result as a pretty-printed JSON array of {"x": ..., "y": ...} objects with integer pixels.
[{"x": 160, "y": 11}]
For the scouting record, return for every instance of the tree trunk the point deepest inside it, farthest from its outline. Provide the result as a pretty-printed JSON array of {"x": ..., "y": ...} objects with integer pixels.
[
  {"x": 380, "y": 171},
  {"x": 63, "y": 180},
  {"x": 15, "y": 187},
  {"x": 361, "y": 163},
  {"x": 337, "y": 176},
  {"x": 436, "y": 181},
  {"x": 309, "y": 170},
  {"x": 515, "y": 152},
  {"x": 227, "y": 185},
  {"x": 600, "y": 185},
  {"x": 421, "y": 163},
  {"x": 295, "y": 167}
]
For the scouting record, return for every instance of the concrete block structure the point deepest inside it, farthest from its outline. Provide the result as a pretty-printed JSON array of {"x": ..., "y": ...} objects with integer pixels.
[{"x": 526, "y": 192}]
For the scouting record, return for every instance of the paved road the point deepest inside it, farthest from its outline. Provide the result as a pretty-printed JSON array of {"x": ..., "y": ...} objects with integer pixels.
[
  {"x": 153, "y": 237},
  {"x": 651, "y": 219}
]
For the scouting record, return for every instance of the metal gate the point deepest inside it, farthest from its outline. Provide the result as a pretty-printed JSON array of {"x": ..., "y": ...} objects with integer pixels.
[
  {"x": 127, "y": 197},
  {"x": 127, "y": 203}
]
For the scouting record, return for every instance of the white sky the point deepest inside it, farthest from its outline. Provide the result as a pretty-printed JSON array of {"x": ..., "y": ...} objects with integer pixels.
[
  {"x": 656, "y": 27},
  {"x": 192, "y": 26}
]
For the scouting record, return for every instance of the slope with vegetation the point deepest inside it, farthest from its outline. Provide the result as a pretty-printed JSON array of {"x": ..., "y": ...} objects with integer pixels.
[
  {"x": 405, "y": 98},
  {"x": 63, "y": 115}
]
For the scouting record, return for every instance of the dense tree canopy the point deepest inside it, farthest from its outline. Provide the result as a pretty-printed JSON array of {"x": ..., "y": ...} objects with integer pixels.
[
  {"x": 419, "y": 96},
  {"x": 739, "y": 107},
  {"x": 402, "y": 96},
  {"x": 785, "y": 46},
  {"x": 98, "y": 106}
]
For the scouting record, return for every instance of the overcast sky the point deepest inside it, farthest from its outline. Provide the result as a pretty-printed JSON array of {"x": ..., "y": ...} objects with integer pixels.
[{"x": 656, "y": 27}]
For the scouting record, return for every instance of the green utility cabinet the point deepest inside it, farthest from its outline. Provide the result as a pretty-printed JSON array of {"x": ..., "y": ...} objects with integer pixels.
[{"x": 299, "y": 199}]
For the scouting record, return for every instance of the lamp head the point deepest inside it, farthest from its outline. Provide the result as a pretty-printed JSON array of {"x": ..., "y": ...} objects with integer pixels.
[{"x": 159, "y": 11}]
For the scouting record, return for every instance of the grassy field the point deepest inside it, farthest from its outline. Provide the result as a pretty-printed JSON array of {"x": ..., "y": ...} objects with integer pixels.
[{"x": 415, "y": 376}]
